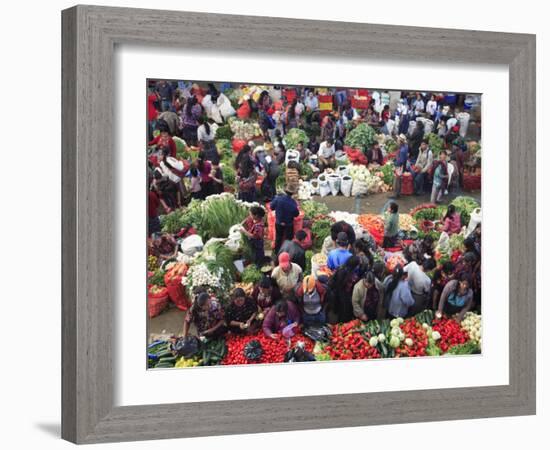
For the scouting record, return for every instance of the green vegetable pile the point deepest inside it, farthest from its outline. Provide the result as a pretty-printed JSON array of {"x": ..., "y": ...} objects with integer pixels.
[
  {"x": 362, "y": 136},
  {"x": 465, "y": 205},
  {"x": 224, "y": 132},
  {"x": 427, "y": 214},
  {"x": 160, "y": 356},
  {"x": 387, "y": 170},
  {"x": 435, "y": 143},
  {"x": 313, "y": 209},
  {"x": 213, "y": 351},
  {"x": 320, "y": 230},
  {"x": 157, "y": 278},
  {"x": 294, "y": 136},
  {"x": 306, "y": 171},
  {"x": 307, "y": 270},
  {"x": 251, "y": 274},
  {"x": 469, "y": 348},
  {"x": 390, "y": 145}
]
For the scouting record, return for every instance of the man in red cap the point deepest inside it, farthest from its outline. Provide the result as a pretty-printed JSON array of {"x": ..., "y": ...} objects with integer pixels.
[{"x": 287, "y": 274}]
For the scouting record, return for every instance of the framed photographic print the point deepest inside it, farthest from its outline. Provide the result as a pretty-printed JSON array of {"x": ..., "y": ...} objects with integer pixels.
[{"x": 300, "y": 216}]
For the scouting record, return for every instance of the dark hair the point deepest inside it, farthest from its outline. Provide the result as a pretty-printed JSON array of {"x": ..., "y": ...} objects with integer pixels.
[
  {"x": 330, "y": 141},
  {"x": 450, "y": 211},
  {"x": 394, "y": 207},
  {"x": 378, "y": 268},
  {"x": 238, "y": 292},
  {"x": 205, "y": 123},
  {"x": 266, "y": 283},
  {"x": 157, "y": 175},
  {"x": 281, "y": 306},
  {"x": 200, "y": 158},
  {"x": 370, "y": 278},
  {"x": 352, "y": 262},
  {"x": 425, "y": 141},
  {"x": 300, "y": 235},
  {"x": 194, "y": 172},
  {"x": 470, "y": 245},
  {"x": 241, "y": 155},
  {"x": 257, "y": 211},
  {"x": 202, "y": 298},
  {"x": 293, "y": 165},
  {"x": 191, "y": 101},
  {"x": 428, "y": 264},
  {"x": 301, "y": 142},
  {"x": 396, "y": 277},
  {"x": 464, "y": 276},
  {"x": 448, "y": 267}
]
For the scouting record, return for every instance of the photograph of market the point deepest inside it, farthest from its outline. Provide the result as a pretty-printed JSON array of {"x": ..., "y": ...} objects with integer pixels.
[{"x": 299, "y": 223}]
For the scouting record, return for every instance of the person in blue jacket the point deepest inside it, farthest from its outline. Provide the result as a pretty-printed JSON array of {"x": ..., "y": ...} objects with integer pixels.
[
  {"x": 340, "y": 254},
  {"x": 286, "y": 209}
]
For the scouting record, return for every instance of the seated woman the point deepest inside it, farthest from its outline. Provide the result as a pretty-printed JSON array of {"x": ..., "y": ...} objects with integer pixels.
[
  {"x": 165, "y": 247},
  {"x": 457, "y": 297},
  {"x": 282, "y": 314},
  {"x": 266, "y": 294},
  {"x": 311, "y": 295},
  {"x": 207, "y": 316},
  {"x": 240, "y": 315},
  {"x": 451, "y": 222}
]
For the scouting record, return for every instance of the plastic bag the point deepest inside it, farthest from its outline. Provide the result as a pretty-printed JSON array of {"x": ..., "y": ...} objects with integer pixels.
[
  {"x": 346, "y": 185},
  {"x": 475, "y": 219},
  {"x": 187, "y": 346},
  {"x": 334, "y": 183},
  {"x": 342, "y": 170},
  {"x": 443, "y": 243},
  {"x": 191, "y": 245},
  {"x": 253, "y": 350},
  {"x": 292, "y": 155},
  {"x": 324, "y": 188},
  {"x": 314, "y": 187},
  {"x": 318, "y": 333},
  {"x": 289, "y": 330}
]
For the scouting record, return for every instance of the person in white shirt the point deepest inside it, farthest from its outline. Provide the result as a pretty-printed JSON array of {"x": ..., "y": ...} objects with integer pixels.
[
  {"x": 326, "y": 154},
  {"x": 431, "y": 106},
  {"x": 418, "y": 104},
  {"x": 311, "y": 102},
  {"x": 451, "y": 122},
  {"x": 420, "y": 284}
]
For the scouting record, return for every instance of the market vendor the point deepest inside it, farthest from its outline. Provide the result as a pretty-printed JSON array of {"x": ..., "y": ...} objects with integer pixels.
[
  {"x": 287, "y": 274},
  {"x": 266, "y": 293},
  {"x": 400, "y": 165},
  {"x": 374, "y": 155},
  {"x": 341, "y": 253},
  {"x": 311, "y": 297},
  {"x": 330, "y": 241},
  {"x": 420, "y": 249},
  {"x": 165, "y": 247},
  {"x": 326, "y": 155},
  {"x": 240, "y": 315},
  {"x": 420, "y": 284},
  {"x": 457, "y": 297},
  {"x": 279, "y": 316},
  {"x": 397, "y": 293},
  {"x": 366, "y": 297},
  {"x": 440, "y": 177},
  {"x": 422, "y": 167},
  {"x": 253, "y": 229},
  {"x": 451, "y": 222},
  {"x": 164, "y": 139},
  {"x": 296, "y": 248},
  {"x": 391, "y": 226},
  {"x": 441, "y": 276},
  {"x": 286, "y": 210},
  {"x": 207, "y": 315}
]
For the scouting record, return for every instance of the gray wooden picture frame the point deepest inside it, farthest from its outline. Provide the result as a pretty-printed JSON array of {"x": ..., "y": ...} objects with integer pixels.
[{"x": 90, "y": 34}]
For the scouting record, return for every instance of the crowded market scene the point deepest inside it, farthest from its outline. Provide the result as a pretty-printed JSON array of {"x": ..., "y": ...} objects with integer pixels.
[{"x": 306, "y": 223}]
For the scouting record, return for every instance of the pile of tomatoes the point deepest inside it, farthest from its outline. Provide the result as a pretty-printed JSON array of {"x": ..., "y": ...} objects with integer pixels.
[
  {"x": 414, "y": 331},
  {"x": 274, "y": 350},
  {"x": 348, "y": 342},
  {"x": 451, "y": 333}
]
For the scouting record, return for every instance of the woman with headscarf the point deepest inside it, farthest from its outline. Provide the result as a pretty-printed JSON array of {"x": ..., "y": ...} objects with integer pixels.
[
  {"x": 311, "y": 297},
  {"x": 240, "y": 315}
]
